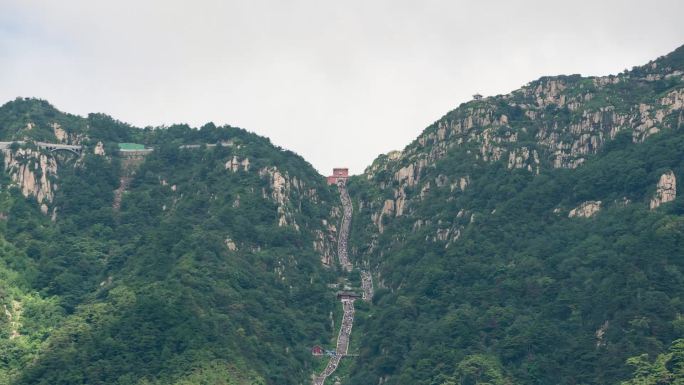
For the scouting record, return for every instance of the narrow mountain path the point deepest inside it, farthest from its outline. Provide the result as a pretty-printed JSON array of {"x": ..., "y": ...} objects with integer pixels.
[{"x": 347, "y": 303}]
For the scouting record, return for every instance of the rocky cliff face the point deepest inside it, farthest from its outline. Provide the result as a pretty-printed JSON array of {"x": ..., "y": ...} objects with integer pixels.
[
  {"x": 235, "y": 164},
  {"x": 554, "y": 122},
  {"x": 563, "y": 120},
  {"x": 666, "y": 190},
  {"x": 585, "y": 210},
  {"x": 34, "y": 172},
  {"x": 324, "y": 243},
  {"x": 64, "y": 136},
  {"x": 281, "y": 187},
  {"x": 99, "y": 149},
  {"x": 289, "y": 193}
]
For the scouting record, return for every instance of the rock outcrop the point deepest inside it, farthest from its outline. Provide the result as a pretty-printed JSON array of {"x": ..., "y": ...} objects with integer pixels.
[
  {"x": 407, "y": 174},
  {"x": 524, "y": 158},
  {"x": 325, "y": 240},
  {"x": 63, "y": 136},
  {"x": 601, "y": 334},
  {"x": 33, "y": 172},
  {"x": 14, "y": 318},
  {"x": 287, "y": 192},
  {"x": 230, "y": 244},
  {"x": 387, "y": 210},
  {"x": 235, "y": 164},
  {"x": 666, "y": 190},
  {"x": 99, "y": 149},
  {"x": 585, "y": 210},
  {"x": 280, "y": 186},
  {"x": 59, "y": 132}
]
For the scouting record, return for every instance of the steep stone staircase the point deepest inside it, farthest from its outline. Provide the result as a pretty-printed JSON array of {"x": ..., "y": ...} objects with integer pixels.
[{"x": 347, "y": 303}]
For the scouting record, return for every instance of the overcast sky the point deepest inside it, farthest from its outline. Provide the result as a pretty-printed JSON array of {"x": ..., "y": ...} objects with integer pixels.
[{"x": 338, "y": 82}]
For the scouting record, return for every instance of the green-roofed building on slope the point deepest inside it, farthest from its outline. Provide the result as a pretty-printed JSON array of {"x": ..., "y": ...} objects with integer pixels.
[
  {"x": 131, "y": 147},
  {"x": 133, "y": 150}
]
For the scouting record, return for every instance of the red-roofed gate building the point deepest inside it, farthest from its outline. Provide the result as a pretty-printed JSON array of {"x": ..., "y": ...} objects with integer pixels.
[
  {"x": 317, "y": 351},
  {"x": 339, "y": 174}
]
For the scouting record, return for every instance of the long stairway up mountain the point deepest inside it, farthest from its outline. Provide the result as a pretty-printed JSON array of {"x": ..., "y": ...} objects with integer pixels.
[
  {"x": 344, "y": 228},
  {"x": 342, "y": 341},
  {"x": 347, "y": 300},
  {"x": 367, "y": 285}
]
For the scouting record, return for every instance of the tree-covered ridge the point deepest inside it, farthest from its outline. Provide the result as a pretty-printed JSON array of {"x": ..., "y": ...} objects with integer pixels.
[
  {"x": 561, "y": 118},
  {"x": 477, "y": 233},
  {"x": 207, "y": 272}
]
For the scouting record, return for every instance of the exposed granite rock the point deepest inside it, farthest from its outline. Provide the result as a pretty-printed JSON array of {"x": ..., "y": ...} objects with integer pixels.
[
  {"x": 603, "y": 81},
  {"x": 674, "y": 100},
  {"x": 648, "y": 123},
  {"x": 417, "y": 225},
  {"x": 282, "y": 190},
  {"x": 441, "y": 180},
  {"x": 325, "y": 241},
  {"x": 446, "y": 235},
  {"x": 406, "y": 173},
  {"x": 442, "y": 234},
  {"x": 230, "y": 244},
  {"x": 524, "y": 158},
  {"x": 387, "y": 210},
  {"x": 62, "y": 135},
  {"x": 59, "y": 132},
  {"x": 235, "y": 164},
  {"x": 33, "y": 172},
  {"x": 601, "y": 333},
  {"x": 14, "y": 318},
  {"x": 400, "y": 201},
  {"x": 461, "y": 183},
  {"x": 99, "y": 149},
  {"x": 425, "y": 190},
  {"x": 549, "y": 91},
  {"x": 393, "y": 155},
  {"x": 666, "y": 190},
  {"x": 585, "y": 210}
]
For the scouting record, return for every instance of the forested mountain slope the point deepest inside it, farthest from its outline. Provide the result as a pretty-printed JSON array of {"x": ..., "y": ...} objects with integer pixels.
[
  {"x": 529, "y": 238},
  {"x": 209, "y": 268}
]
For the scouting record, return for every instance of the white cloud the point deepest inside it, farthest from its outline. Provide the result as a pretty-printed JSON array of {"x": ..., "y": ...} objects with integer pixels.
[{"x": 366, "y": 75}]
